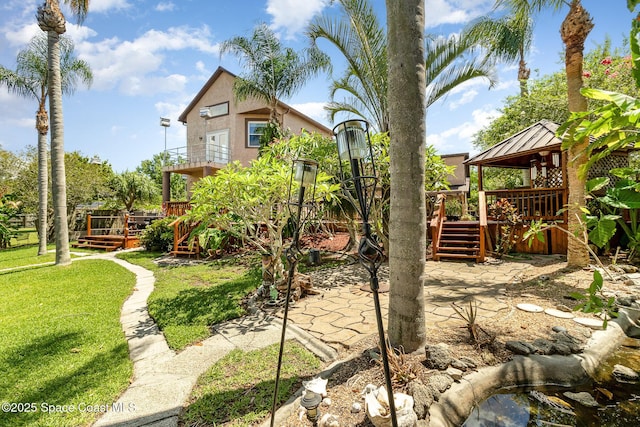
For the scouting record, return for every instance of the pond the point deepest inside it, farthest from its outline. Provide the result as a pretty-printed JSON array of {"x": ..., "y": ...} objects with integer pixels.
[{"x": 618, "y": 403}]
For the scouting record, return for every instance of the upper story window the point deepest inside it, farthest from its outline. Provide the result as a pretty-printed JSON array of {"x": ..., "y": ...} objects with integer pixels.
[
  {"x": 216, "y": 110},
  {"x": 255, "y": 129}
]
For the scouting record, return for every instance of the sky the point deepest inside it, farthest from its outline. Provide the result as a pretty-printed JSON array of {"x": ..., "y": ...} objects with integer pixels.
[{"x": 150, "y": 58}]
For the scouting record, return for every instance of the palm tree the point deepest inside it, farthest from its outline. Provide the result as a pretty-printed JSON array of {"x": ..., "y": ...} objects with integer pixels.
[
  {"x": 506, "y": 39},
  {"x": 52, "y": 21},
  {"x": 273, "y": 72},
  {"x": 574, "y": 31},
  {"x": 360, "y": 38},
  {"x": 29, "y": 80},
  {"x": 407, "y": 122}
]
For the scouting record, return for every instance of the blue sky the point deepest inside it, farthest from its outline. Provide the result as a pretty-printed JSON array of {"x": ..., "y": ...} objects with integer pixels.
[{"x": 150, "y": 58}]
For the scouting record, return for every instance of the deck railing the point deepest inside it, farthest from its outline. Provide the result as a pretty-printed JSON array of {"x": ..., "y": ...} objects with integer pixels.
[
  {"x": 436, "y": 224},
  {"x": 533, "y": 203},
  {"x": 176, "y": 208},
  {"x": 201, "y": 152}
]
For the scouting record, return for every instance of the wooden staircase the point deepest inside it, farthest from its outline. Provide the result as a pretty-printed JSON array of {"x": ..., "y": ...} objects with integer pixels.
[
  {"x": 106, "y": 242},
  {"x": 459, "y": 240},
  {"x": 181, "y": 233}
]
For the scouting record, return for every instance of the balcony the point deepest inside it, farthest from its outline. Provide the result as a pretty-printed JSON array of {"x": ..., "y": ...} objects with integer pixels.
[{"x": 200, "y": 153}]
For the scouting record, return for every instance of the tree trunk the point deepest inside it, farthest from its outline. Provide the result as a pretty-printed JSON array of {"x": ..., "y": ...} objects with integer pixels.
[
  {"x": 407, "y": 225},
  {"x": 58, "y": 178},
  {"x": 574, "y": 31},
  {"x": 42, "y": 125}
]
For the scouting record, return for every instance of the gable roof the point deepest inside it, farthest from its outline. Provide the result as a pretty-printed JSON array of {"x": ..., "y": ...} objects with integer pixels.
[
  {"x": 514, "y": 151},
  {"x": 216, "y": 74}
]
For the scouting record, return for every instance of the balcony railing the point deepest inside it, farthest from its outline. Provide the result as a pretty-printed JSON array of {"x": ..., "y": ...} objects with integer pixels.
[
  {"x": 533, "y": 203},
  {"x": 201, "y": 152}
]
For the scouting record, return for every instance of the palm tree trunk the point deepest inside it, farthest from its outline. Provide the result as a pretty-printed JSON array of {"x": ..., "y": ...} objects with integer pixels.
[
  {"x": 574, "y": 31},
  {"x": 58, "y": 178},
  {"x": 407, "y": 225},
  {"x": 42, "y": 125}
]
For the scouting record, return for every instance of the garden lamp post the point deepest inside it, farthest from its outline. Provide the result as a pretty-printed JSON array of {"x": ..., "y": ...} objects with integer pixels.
[
  {"x": 165, "y": 123},
  {"x": 300, "y": 204},
  {"x": 359, "y": 179}
]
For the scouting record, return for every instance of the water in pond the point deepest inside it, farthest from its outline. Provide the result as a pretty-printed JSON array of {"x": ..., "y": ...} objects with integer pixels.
[{"x": 618, "y": 403}]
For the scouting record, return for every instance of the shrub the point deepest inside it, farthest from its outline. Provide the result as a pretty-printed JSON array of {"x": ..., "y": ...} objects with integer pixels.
[{"x": 158, "y": 236}]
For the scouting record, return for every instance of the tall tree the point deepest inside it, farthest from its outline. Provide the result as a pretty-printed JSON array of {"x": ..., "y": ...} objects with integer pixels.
[
  {"x": 30, "y": 80},
  {"x": 132, "y": 187},
  {"x": 52, "y": 21},
  {"x": 407, "y": 123},
  {"x": 359, "y": 37},
  {"x": 273, "y": 72},
  {"x": 506, "y": 39},
  {"x": 574, "y": 31}
]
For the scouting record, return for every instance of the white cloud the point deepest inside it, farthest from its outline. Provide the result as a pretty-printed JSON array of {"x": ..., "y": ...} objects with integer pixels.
[
  {"x": 439, "y": 12},
  {"x": 315, "y": 110},
  {"x": 102, "y": 6},
  {"x": 293, "y": 15},
  {"x": 129, "y": 65},
  {"x": 467, "y": 97},
  {"x": 459, "y": 139},
  {"x": 166, "y": 6}
]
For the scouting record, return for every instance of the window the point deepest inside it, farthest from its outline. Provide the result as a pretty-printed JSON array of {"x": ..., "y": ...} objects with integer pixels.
[
  {"x": 221, "y": 109},
  {"x": 254, "y": 131}
]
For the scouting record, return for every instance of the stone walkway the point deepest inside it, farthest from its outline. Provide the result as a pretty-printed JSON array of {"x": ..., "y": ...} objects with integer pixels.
[{"x": 343, "y": 313}]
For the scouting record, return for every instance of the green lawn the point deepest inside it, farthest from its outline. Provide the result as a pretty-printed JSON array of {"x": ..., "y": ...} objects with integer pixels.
[
  {"x": 238, "y": 389},
  {"x": 21, "y": 256},
  {"x": 188, "y": 300},
  {"x": 61, "y": 341}
]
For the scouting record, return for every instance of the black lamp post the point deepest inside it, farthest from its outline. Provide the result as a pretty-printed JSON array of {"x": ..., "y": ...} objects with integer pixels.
[
  {"x": 359, "y": 181},
  {"x": 303, "y": 175}
]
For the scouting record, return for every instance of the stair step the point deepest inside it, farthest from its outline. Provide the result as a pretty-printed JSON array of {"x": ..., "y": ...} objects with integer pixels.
[
  {"x": 449, "y": 249},
  {"x": 457, "y": 256}
]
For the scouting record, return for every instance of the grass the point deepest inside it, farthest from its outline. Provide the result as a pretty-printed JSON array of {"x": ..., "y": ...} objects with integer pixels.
[
  {"x": 238, "y": 389},
  {"x": 22, "y": 256},
  {"x": 188, "y": 300},
  {"x": 61, "y": 340}
]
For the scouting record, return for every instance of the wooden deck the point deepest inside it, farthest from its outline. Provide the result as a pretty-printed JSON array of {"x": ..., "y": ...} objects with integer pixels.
[{"x": 107, "y": 242}]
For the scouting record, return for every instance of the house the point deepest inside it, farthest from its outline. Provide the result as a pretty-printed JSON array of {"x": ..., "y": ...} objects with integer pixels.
[{"x": 222, "y": 130}]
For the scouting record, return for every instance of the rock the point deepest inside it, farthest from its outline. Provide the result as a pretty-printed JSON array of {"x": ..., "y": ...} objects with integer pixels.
[
  {"x": 562, "y": 349},
  {"x": 422, "y": 398},
  {"x": 574, "y": 344},
  {"x": 328, "y": 420},
  {"x": 518, "y": 347},
  {"x": 440, "y": 382},
  {"x": 628, "y": 268},
  {"x": 438, "y": 357},
  {"x": 564, "y": 308},
  {"x": 454, "y": 373},
  {"x": 543, "y": 346},
  {"x": 559, "y": 328},
  {"x": 459, "y": 364},
  {"x": 623, "y": 374},
  {"x": 583, "y": 398},
  {"x": 326, "y": 401},
  {"x": 356, "y": 408},
  {"x": 471, "y": 364}
]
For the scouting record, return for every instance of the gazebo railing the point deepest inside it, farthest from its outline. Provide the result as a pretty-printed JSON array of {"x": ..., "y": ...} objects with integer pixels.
[{"x": 533, "y": 203}]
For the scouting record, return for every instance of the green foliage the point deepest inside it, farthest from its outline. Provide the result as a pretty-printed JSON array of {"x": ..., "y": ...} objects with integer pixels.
[
  {"x": 158, "y": 236},
  {"x": 153, "y": 169},
  {"x": 9, "y": 209},
  {"x": 595, "y": 301},
  {"x": 250, "y": 202},
  {"x": 507, "y": 216},
  {"x": 133, "y": 187}
]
